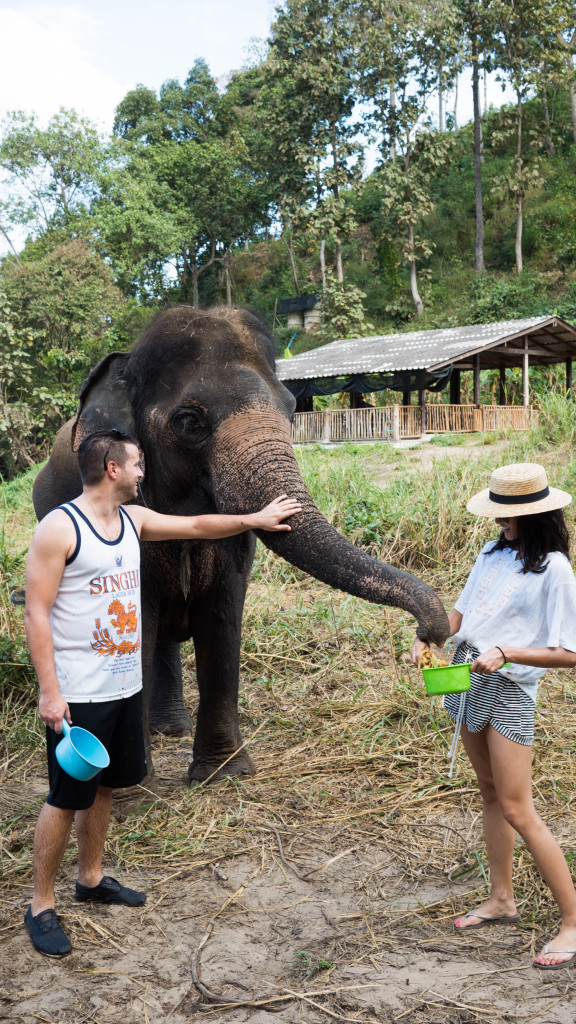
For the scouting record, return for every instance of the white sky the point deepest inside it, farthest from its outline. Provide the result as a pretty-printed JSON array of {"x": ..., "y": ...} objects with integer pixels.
[{"x": 87, "y": 54}]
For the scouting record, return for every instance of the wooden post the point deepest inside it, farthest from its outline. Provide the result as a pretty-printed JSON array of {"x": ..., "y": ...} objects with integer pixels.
[
  {"x": 422, "y": 397},
  {"x": 568, "y": 376},
  {"x": 396, "y": 423},
  {"x": 502, "y": 384},
  {"x": 406, "y": 396},
  {"x": 526, "y": 375},
  {"x": 477, "y": 380},
  {"x": 326, "y": 432},
  {"x": 455, "y": 395}
]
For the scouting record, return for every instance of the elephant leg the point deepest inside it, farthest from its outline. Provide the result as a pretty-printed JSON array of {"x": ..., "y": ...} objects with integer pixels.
[
  {"x": 167, "y": 712},
  {"x": 217, "y": 635}
]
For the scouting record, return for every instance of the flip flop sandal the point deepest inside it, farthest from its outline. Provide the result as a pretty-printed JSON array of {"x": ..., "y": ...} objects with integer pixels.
[
  {"x": 485, "y": 921},
  {"x": 555, "y": 967}
]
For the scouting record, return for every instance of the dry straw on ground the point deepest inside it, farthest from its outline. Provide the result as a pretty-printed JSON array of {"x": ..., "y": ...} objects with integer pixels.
[
  {"x": 350, "y": 811},
  {"x": 351, "y": 782}
]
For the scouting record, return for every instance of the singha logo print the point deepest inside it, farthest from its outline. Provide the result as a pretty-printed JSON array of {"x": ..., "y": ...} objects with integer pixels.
[{"x": 125, "y": 622}]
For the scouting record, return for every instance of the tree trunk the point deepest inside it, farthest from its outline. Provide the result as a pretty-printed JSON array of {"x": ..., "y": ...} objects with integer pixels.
[
  {"x": 413, "y": 278},
  {"x": 194, "y": 274},
  {"x": 573, "y": 110},
  {"x": 456, "y": 102},
  {"x": 519, "y": 211},
  {"x": 323, "y": 264},
  {"x": 195, "y": 297},
  {"x": 228, "y": 278},
  {"x": 568, "y": 45},
  {"x": 518, "y": 246},
  {"x": 336, "y": 194},
  {"x": 392, "y": 122},
  {"x": 339, "y": 268},
  {"x": 290, "y": 246},
  {"x": 441, "y": 122},
  {"x": 479, "y": 246},
  {"x": 551, "y": 149},
  {"x": 14, "y": 251}
]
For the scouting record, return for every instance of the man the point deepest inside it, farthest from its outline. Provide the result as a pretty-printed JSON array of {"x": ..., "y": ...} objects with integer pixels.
[{"x": 83, "y": 629}]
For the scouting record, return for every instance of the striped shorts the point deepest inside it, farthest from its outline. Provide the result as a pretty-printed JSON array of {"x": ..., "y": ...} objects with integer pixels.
[{"x": 492, "y": 700}]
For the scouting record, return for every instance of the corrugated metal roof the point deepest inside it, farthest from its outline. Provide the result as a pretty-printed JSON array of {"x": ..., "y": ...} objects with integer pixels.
[{"x": 413, "y": 350}]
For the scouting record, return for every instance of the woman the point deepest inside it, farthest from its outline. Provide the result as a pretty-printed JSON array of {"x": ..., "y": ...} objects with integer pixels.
[{"x": 515, "y": 618}]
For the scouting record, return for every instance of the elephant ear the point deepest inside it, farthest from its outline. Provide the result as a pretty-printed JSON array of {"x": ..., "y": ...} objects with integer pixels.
[{"x": 104, "y": 400}]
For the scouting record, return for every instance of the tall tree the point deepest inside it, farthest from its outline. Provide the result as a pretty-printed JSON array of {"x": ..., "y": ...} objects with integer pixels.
[
  {"x": 50, "y": 174},
  {"x": 566, "y": 38},
  {"x": 404, "y": 47},
  {"x": 475, "y": 19},
  {"x": 187, "y": 193},
  {"x": 180, "y": 111},
  {"x": 308, "y": 106},
  {"x": 406, "y": 198},
  {"x": 63, "y": 306},
  {"x": 521, "y": 28}
]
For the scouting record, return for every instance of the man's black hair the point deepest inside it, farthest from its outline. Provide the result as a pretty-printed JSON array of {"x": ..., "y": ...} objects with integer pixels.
[
  {"x": 538, "y": 535},
  {"x": 99, "y": 448}
]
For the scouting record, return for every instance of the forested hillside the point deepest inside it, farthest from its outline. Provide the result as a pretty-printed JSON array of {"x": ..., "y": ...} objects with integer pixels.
[{"x": 332, "y": 164}]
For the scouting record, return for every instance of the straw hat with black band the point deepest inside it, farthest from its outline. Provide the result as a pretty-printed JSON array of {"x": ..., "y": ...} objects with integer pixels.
[{"x": 518, "y": 490}]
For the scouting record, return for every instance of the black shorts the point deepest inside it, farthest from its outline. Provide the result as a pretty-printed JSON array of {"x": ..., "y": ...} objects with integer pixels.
[{"x": 118, "y": 725}]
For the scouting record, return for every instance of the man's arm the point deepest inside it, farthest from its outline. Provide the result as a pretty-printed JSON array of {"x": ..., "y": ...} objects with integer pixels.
[
  {"x": 154, "y": 526},
  {"x": 53, "y": 541}
]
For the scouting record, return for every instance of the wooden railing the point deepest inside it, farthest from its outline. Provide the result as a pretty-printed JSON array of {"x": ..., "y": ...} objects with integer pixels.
[
  {"x": 503, "y": 417},
  {"x": 397, "y": 422}
]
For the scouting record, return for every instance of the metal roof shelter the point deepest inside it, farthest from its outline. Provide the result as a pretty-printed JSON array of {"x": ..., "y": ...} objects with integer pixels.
[{"x": 421, "y": 360}]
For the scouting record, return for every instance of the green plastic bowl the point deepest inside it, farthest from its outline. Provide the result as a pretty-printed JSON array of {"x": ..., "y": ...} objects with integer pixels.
[{"x": 447, "y": 679}]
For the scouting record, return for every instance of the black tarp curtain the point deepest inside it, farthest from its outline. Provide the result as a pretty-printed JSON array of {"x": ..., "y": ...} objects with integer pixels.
[{"x": 402, "y": 380}]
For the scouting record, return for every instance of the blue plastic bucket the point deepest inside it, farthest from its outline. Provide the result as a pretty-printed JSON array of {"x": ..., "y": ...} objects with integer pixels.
[{"x": 80, "y": 754}]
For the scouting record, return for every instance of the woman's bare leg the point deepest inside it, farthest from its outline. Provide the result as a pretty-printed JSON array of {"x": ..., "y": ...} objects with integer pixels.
[
  {"x": 511, "y": 765},
  {"x": 499, "y": 836}
]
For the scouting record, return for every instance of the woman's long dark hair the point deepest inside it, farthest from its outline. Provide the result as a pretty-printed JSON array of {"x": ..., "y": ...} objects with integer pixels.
[{"x": 538, "y": 535}]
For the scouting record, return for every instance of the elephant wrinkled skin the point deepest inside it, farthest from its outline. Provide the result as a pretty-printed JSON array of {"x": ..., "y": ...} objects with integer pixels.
[{"x": 200, "y": 392}]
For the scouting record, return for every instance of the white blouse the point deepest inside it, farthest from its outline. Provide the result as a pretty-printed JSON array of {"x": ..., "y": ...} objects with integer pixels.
[{"x": 502, "y": 606}]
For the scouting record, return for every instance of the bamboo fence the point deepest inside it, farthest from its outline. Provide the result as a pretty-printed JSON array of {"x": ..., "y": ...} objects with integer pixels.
[{"x": 397, "y": 422}]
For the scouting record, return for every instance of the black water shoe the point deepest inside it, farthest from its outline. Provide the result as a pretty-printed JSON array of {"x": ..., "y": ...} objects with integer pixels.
[
  {"x": 109, "y": 891},
  {"x": 46, "y": 933}
]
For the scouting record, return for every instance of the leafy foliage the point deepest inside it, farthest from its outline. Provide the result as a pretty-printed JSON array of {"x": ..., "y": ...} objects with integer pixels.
[
  {"x": 56, "y": 321},
  {"x": 254, "y": 190}
]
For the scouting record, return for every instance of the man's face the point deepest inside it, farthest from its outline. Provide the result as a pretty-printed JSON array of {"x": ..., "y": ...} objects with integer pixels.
[{"x": 129, "y": 474}]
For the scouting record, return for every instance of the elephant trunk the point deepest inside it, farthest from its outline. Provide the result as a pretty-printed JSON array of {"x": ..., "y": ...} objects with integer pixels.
[{"x": 255, "y": 463}]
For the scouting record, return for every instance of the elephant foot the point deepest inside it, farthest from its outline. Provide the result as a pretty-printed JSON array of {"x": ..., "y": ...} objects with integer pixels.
[
  {"x": 202, "y": 768},
  {"x": 168, "y": 729},
  {"x": 174, "y": 725}
]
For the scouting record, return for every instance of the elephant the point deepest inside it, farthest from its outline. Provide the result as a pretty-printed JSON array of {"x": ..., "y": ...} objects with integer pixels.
[{"x": 200, "y": 392}]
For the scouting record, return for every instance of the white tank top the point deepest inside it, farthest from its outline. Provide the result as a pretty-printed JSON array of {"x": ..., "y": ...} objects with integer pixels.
[{"x": 95, "y": 619}]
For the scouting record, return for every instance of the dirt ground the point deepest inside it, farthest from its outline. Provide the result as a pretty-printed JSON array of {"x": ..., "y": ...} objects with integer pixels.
[
  {"x": 322, "y": 889},
  {"x": 322, "y": 912},
  {"x": 251, "y": 930}
]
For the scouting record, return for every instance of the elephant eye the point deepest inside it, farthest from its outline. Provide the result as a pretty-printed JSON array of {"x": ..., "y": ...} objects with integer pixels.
[{"x": 190, "y": 425}]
